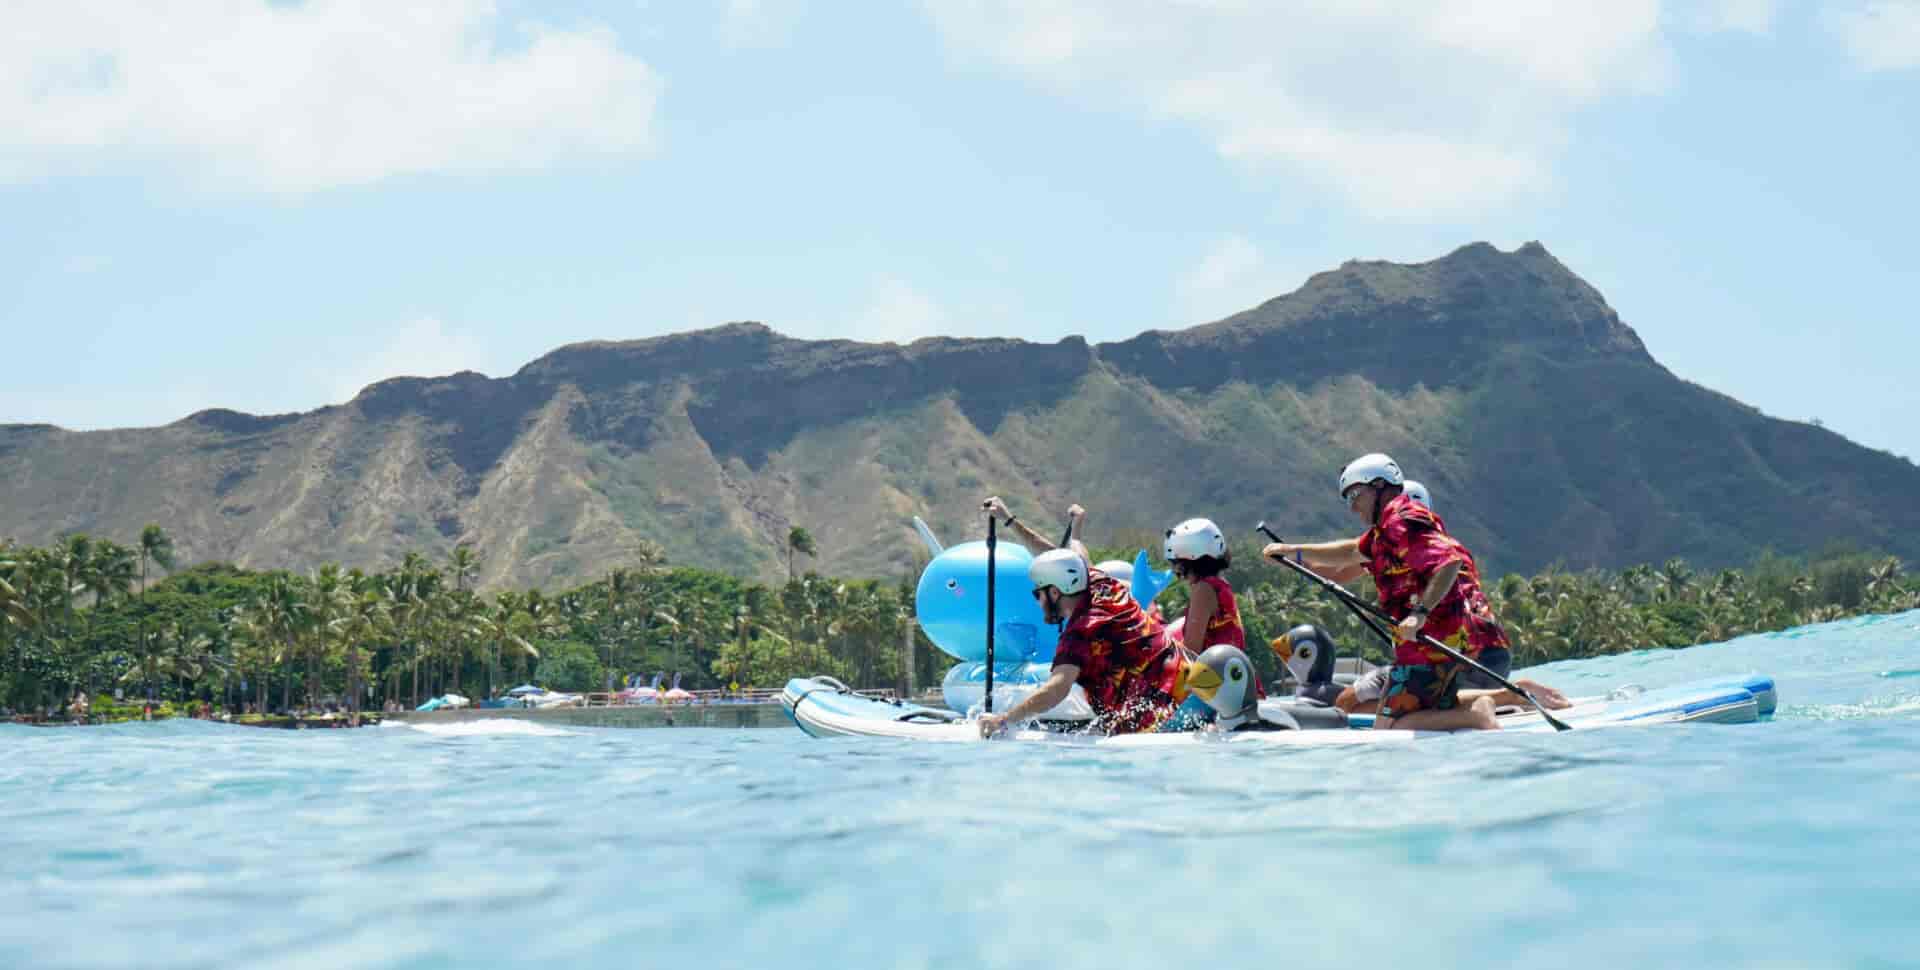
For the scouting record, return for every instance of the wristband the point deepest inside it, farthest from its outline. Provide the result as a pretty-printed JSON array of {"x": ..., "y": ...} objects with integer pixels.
[
  {"x": 1011, "y": 519},
  {"x": 1299, "y": 557}
]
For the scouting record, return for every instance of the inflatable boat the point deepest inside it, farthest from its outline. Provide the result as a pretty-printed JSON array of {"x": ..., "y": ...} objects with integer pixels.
[{"x": 825, "y": 707}]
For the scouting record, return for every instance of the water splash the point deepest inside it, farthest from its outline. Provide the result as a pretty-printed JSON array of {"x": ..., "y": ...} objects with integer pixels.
[{"x": 490, "y": 727}]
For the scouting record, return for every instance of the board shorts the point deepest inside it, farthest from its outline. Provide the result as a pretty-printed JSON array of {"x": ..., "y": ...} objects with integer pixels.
[
  {"x": 1421, "y": 687},
  {"x": 1497, "y": 659}
]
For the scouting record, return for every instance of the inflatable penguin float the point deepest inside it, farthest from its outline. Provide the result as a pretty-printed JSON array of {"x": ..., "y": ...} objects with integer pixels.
[
  {"x": 1223, "y": 677},
  {"x": 1308, "y": 653}
]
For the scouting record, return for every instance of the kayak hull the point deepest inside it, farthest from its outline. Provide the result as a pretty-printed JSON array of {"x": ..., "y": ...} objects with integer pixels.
[{"x": 823, "y": 707}]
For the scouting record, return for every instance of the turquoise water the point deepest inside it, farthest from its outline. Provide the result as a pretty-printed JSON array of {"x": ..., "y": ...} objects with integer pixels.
[{"x": 1789, "y": 843}]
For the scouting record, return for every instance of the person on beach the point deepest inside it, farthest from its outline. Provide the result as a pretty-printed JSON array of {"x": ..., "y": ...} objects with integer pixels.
[
  {"x": 1109, "y": 646},
  {"x": 1428, "y": 582}
]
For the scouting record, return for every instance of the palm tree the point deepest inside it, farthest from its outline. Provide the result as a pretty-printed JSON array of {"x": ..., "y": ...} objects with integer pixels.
[
  {"x": 284, "y": 616},
  {"x": 801, "y": 541},
  {"x": 508, "y": 624},
  {"x": 363, "y": 617},
  {"x": 331, "y": 601},
  {"x": 112, "y": 571},
  {"x": 646, "y": 557},
  {"x": 1676, "y": 579},
  {"x": 182, "y": 657},
  {"x": 462, "y": 565},
  {"x": 462, "y": 622},
  {"x": 154, "y": 545},
  {"x": 157, "y": 546},
  {"x": 16, "y": 610},
  {"x": 74, "y": 558}
]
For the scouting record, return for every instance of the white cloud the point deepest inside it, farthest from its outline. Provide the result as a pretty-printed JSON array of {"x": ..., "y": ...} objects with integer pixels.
[
  {"x": 1743, "y": 16},
  {"x": 423, "y": 347},
  {"x": 1406, "y": 108},
  {"x": 757, "y": 23},
  {"x": 1881, "y": 35},
  {"x": 1230, "y": 277},
  {"x": 297, "y": 97},
  {"x": 896, "y": 312}
]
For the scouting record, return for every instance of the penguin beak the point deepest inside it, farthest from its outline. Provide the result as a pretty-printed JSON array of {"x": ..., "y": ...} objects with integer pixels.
[
  {"x": 1203, "y": 680},
  {"x": 1282, "y": 647}
]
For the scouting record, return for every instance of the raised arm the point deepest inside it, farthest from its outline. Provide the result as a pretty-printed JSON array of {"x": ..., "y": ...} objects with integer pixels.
[{"x": 1025, "y": 533}]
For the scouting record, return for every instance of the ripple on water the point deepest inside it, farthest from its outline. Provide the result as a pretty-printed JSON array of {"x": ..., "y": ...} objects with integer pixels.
[{"x": 165, "y": 845}]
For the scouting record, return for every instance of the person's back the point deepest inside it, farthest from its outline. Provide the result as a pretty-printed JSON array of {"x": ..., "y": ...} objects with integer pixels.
[{"x": 1224, "y": 626}]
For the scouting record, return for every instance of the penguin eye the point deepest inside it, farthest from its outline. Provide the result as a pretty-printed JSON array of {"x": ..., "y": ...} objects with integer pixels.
[
  {"x": 1235, "y": 673},
  {"x": 1306, "y": 652},
  {"x": 953, "y": 584}
]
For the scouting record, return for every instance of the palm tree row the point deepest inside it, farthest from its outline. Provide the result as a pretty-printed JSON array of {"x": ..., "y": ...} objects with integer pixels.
[{"x": 85, "y": 614}]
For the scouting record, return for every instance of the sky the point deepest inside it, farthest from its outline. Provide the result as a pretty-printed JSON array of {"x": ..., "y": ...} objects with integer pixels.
[{"x": 267, "y": 206}]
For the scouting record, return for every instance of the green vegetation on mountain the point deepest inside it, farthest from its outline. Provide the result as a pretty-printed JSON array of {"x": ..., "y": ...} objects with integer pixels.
[{"x": 1502, "y": 380}]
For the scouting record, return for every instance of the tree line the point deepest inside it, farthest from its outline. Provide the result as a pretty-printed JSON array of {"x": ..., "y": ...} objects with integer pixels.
[{"x": 89, "y": 614}]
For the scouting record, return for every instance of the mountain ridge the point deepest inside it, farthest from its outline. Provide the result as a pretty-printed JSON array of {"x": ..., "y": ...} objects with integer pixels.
[{"x": 1548, "y": 429}]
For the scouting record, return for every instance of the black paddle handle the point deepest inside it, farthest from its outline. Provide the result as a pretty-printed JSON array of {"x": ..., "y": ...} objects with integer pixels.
[{"x": 1355, "y": 601}]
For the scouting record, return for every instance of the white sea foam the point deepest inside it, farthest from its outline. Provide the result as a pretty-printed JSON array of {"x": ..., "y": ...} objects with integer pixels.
[{"x": 488, "y": 727}]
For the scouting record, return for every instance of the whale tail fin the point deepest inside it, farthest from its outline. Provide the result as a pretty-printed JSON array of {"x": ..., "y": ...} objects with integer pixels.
[
  {"x": 1147, "y": 581},
  {"x": 934, "y": 548}
]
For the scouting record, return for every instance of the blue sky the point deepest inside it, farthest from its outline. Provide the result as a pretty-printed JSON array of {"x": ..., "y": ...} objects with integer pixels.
[{"x": 267, "y": 206}]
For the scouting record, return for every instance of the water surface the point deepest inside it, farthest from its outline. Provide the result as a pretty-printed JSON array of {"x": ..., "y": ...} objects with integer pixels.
[{"x": 1788, "y": 843}]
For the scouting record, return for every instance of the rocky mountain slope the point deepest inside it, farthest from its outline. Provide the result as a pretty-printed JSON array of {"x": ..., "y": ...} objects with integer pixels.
[{"x": 1501, "y": 379}]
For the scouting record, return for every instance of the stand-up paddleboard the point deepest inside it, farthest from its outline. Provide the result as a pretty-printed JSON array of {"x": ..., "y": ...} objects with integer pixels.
[
  {"x": 824, "y": 707},
  {"x": 1714, "y": 701}
]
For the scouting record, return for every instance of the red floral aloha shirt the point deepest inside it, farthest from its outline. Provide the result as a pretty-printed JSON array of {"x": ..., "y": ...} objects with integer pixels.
[
  {"x": 1129, "y": 676},
  {"x": 1403, "y": 552}
]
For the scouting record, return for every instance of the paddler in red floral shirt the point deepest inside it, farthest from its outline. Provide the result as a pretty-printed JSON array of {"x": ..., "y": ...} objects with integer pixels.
[
  {"x": 1428, "y": 581},
  {"x": 1109, "y": 646}
]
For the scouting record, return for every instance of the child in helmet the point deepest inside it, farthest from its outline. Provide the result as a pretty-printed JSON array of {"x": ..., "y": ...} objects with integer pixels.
[{"x": 1197, "y": 551}]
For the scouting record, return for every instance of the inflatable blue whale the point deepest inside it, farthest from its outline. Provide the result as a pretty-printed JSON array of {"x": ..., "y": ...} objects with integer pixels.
[{"x": 951, "y": 604}]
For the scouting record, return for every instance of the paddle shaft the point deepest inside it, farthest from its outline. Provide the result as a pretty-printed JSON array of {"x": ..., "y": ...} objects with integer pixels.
[
  {"x": 993, "y": 541},
  {"x": 1372, "y": 624},
  {"x": 1355, "y": 601}
]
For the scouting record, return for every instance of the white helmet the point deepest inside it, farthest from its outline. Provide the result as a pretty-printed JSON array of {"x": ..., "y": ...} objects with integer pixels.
[
  {"x": 1417, "y": 492},
  {"x": 1062, "y": 569},
  {"x": 1119, "y": 569},
  {"x": 1369, "y": 468},
  {"x": 1195, "y": 538}
]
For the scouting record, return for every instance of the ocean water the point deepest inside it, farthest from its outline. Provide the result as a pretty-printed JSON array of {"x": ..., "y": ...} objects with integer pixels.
[{"x": 1788, "y": 843}]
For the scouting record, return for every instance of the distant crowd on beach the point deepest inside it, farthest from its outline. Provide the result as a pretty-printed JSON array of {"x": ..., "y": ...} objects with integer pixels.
[{"x": 82, "y": 709}]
